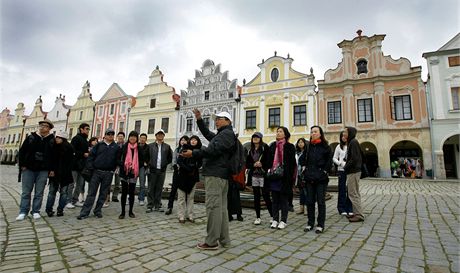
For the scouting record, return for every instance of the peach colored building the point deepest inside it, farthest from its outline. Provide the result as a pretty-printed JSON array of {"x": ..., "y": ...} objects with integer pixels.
[{"x": 385, "y": 100}]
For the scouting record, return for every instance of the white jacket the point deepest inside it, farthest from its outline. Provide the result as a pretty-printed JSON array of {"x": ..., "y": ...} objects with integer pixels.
[{"x": 339, "y": 155}]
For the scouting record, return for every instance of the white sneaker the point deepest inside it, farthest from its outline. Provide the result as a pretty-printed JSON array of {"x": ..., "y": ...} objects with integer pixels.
[
  {"x": 70, "y": 206},
  {"x": 307, "y": 228},
  {"x": 141, "y": 203},
  {"x": 79, "y": 204},
  {"x": 344, "y": 214},
  {"x": 21, "y": 217},
  {"x": 274, "y": 224},
  {"x": 36, "y": 216},
  {"x": 281, "y": 225},
  {"x": 257, "y": 221},
  {"x": 105, "y": 205}
]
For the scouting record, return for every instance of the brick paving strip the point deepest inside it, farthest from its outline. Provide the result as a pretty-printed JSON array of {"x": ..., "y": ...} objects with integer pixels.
[{"x": 411, "y": 226}]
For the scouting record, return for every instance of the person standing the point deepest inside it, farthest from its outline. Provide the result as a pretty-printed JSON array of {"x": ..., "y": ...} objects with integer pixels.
[
  {"x": 116, "y": 188},
  {"x": 216, "y": 173},
  {"x": 35, "y": 156},
  {"x": 103, "y": 159},
  {"x": 316, "y": 161},
  {"x": 300, "y": 147},
  {"x": 282, "y": 156},
  {"x": 62, "y": 159},
  {"x": 172, "y": 195},
  {"x": 344, "y": 205},
  {"x": 143, "y": 169},
  {"x": 81, "y": 152},
  {"x": 257, "y": 164},
  {"x": 189, "y": 175},
  {"x": 160, "y": 154},
  {"x": 131, "y": 161},
  {"x": 353, "y": 170}
]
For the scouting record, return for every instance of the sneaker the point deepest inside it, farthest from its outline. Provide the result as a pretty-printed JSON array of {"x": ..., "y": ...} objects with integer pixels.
[
  {"x": 60, "y": 213},
  {"x": 149, "y": 210},
  {"x": 344, "y": 214},
  {"x": 105, "y": 205},
  {"x": 70, "y": 206},
  {"x": 205, "y": 246},
  {"x": 81, "y": 217},
  {"x": 79, "y": 204},
  {"x": 257, "y": 221},
  {"x": 351, "y": 214},
  {"x": 141, "y": 203},
  {"x": 50, "y": 213},
  {"x": 168, "y": 211},
  {"x": 21, "y": 217},
  {"x": 36, "y": 216},
  {"x": 281, "y": 225},
  {"x": 274, "y": 224},
  {"x": 132, "y": 215},
  {"x": 319, "y": 230},
  {"x": 307, "y": 228}
]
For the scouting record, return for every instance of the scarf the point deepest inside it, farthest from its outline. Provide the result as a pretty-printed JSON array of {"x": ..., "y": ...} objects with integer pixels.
[
  {"x": 315, "y": 141},
  {"x": 132, "y": 163},
  {"x": 279, "y": 152}
]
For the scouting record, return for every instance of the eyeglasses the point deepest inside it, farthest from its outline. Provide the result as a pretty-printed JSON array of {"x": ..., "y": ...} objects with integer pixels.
[
  {"x": 44, "y": 125},
  {"x": 110, "y": 134},
  {"x": 87, "y": 128}
]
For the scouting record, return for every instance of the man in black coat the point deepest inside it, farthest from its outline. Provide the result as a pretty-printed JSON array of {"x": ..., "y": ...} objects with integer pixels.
[{"x": 81, "y": 152}]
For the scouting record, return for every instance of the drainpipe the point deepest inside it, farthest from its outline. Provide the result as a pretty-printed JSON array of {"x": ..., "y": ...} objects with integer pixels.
[{"x": 430, "y": 124}]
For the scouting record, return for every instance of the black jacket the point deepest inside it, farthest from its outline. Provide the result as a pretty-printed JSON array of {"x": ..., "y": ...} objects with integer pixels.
[
  {"x": 80, "y": 146},
  {"x": 265, "y": 160},
  {"x": 317, "y": 160},
  {"x": 353, "y": 158},
  {"x": 104, "y": 157},
  {"x": 121, "y": 162},
  {"x": 63, "y": 157},
  {"x": 166, "y": 153},
  {"x": 144, "y": 150},
  {"x": 36, "y": 152},
  {"x": 289, "y": 164},
  {"x": 188, "y": 172},
  {"x": 217, "y": 155}
]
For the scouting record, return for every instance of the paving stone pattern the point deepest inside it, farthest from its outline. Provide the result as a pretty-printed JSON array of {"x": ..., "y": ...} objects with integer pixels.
[{"x": 411, "y": 226}]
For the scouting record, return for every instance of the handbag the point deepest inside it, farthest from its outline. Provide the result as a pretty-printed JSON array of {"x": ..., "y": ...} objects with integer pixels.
[
  {"x": 87, "y": 173},
  {"x": 276, "y": 173}
]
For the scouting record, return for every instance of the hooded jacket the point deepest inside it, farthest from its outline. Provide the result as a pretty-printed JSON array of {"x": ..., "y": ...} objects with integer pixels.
[
  {"x": 353, "y": 158},
  {"x": 80, "y": 146},
  {"x": 62, "y": 159}
]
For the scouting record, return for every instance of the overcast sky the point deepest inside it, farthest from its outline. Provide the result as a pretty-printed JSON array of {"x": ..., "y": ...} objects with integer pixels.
[{"x": 53, "y": 47}]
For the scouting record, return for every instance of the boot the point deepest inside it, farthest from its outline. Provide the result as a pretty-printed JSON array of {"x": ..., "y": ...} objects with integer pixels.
[{"x": 301, "y": 209}]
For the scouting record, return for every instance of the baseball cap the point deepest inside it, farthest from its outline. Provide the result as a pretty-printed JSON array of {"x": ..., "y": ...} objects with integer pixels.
[
  {"x": 257, "y": 134},
  {"x": 62, "y": 134},
  {"x": 160, "y": 132},
  {"x": 222, "y": 115},
  {"x": 109, "y": 131}
]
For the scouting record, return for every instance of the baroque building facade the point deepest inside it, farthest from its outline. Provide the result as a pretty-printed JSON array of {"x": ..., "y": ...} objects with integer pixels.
[
  {"x": 443, "y": 89},
  {"x": 59, "y": 114},
  {"x": 155, "y": 108},
  {"x": 211, "y": 92},
  {"x": 14, "y": 135},
  {"x": 278, "y": 96},
  {"x": 5, "y": 119},
  {"x": 82, "y": 111},
  {"x": 384, "y": 99}
]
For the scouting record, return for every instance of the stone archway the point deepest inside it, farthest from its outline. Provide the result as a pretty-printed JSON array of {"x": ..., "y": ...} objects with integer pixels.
[
  {"x": 403, "y": 159},
  {"x": 450, "y": 150},
  {"x": 371, "y": 158},
  {"x": 16, "y": 156}
]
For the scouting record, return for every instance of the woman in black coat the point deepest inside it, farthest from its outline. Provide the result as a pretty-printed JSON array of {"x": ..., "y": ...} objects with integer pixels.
[
  {"x": 257, "y": 164},
  {"x": 61, "y": 175},
  {"x": 282, "y": 154},
  {"x": 316, "y": 162}
]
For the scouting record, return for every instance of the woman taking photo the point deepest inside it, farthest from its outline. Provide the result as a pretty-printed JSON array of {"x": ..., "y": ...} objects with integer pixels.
[
  {"x": 281, "y": 175},
  {"x": 257, "y": 164},
  {"x": 343, "y": 202},
  {"x": 172, "y": 195},
  {"x": 316, "y": 163}
]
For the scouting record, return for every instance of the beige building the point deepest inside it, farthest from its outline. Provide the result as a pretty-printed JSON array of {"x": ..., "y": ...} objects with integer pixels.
[
  {"x": 156, "y": 107},
  {"x": 82, "y": 111},
  {"x": 277, "y": 96},
  {"x": 385, "y": 100},
  {"x": 15, "y": 135},
  {"x": 31, "y": 124},
  {"x": 5, "y": 119}
]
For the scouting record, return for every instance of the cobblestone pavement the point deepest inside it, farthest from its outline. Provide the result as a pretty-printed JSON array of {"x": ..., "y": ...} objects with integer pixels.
[{"x": 411, "y": 226}]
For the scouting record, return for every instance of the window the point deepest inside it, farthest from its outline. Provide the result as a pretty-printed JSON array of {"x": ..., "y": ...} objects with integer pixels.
[
  {"x": 165, "y": 124},
  {"x": 455, "y": 91},
  {"x": 123, "y": 107},
  {"x": 400, "y": 107},
  {"x": 137, "y": 126},
  {"x": 151, "y": 129},
  {"x": 184, "y": 103},
  {"x": 101, "y": 111},
  {"x": 300, "y": 115},
  {"x": 189, "y": 125},
  {"x": 153, "y": 103},
  {"x": 362, "y": 66},
  {"x": 251, "y": 119},
  {"x": 14, "y": 138},
  {"x": 98, "y": 130},
  {"x": 112, "y": 109},
  {"x": 70, "y": 132},
  {"x": 334, "y": 112},
  {"x": 454, "y": 61},
  {"x": 81, "y": 115},
  {"x": 274, "y": 117},
  {"x": 206, "y": 95},
  {"x": 19, "y": 137},
  {"x": 111, "y": 126},
  {"x": 275, "y": 74},
  {"x": 365, "y": 110},
  {"x": 57, "y": 114},
  {"x": 206, "y": 121},
  {"x": 8, "y": 141},
  {"x": 121, "y": 126}
]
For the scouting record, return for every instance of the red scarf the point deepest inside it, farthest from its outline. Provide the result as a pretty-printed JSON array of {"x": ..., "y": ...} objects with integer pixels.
[
  {"x": 315, "y": 141},
  {"x": 130, "y": 162},
  {"x": 279, "y": 153}
]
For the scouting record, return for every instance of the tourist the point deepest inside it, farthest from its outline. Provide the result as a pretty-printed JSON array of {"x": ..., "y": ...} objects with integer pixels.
[
  {"x": 143, "y": 168},
  {"x": 172, "y": 194},
  {"x": 300, "y": 147},
  {"x": 344, "y": 205},
  {"x": 81, "y": 152}
]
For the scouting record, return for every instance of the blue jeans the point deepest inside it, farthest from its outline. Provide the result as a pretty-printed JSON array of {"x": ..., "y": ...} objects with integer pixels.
[
  {"x": 142, "y": 178},
  {"x": 53, "y": 189},
  {"x": 104, "y": 179},
  {"x": 31, "y": 179},
  {"x": 343, "y": 202}
]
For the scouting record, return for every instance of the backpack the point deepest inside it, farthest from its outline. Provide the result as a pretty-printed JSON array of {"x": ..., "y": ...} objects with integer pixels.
[{"x": 238, "y": 164}]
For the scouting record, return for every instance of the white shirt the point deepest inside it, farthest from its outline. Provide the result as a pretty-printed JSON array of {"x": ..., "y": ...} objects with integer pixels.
[
  {"x": 159, "y": 156},
  {"x": 339, "y": 155}
]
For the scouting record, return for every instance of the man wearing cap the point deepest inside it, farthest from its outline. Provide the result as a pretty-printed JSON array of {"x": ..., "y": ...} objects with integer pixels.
[
  {"x": 35, "y": 157},
  {"x": 216, "y": 172},
  {"x": 160, "y": 156},
  {"x": 103, "y": 159}
]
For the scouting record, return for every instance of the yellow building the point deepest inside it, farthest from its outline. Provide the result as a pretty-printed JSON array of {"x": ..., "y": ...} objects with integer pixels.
[
  {"x": 277, "y": 96},
  {"x": 155, "y": 109},
  {"x": 15, "y": 135},
  {"x": 82, "y": 111},
  {"x": 31, "y": 123},
  {"x": 5, "y": 119}
]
